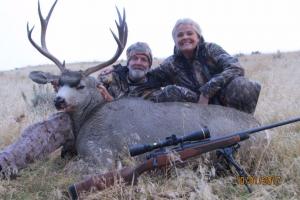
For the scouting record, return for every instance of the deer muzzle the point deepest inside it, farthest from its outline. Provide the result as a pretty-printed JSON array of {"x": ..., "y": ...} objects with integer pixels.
[{"x": 60, "y": 103}]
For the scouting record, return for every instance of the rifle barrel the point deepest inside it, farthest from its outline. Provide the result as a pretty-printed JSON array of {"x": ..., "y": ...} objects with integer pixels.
[{"x": 262, "y": 128}]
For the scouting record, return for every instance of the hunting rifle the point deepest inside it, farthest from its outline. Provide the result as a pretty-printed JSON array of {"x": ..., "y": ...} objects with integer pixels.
[{"x": 188, "y": 146}]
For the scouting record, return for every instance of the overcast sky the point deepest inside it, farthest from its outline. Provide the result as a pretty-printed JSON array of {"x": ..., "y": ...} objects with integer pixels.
[{"x": 79, "y": 29}]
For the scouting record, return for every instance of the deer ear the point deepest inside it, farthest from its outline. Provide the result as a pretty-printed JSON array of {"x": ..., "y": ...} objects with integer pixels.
[{"x": 42, "y": 77}]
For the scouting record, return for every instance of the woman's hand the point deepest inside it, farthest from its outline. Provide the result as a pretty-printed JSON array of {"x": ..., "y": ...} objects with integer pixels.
[
  {"x": 203, "y": 100},
  {"x": 103, "y": 91}
]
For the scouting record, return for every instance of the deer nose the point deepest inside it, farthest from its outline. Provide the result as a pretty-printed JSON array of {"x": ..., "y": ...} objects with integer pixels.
[{"x": 59, "y": 102}]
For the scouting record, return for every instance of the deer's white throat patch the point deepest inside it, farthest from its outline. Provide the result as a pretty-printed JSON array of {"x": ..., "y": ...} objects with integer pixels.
[{"x": 67, "y": 93}]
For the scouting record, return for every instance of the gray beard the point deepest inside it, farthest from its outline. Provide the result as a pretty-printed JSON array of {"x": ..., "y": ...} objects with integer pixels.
[{"x": 137, "y": 75}]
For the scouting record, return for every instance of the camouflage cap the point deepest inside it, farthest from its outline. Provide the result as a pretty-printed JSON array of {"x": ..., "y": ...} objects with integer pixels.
[{"x": 139, "y": 48}]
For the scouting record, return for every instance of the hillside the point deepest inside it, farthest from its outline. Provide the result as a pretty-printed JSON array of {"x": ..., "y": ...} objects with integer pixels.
[{"x": 24, "y": 103}]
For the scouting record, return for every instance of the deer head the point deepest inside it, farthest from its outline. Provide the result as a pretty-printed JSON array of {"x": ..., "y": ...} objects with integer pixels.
[{"x": 76, "y": 89}]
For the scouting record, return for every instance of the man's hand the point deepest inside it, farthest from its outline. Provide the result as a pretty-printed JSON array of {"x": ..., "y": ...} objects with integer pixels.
[
  {"x": 107, "y": 97},
  {"x": 203, "y": 100}
]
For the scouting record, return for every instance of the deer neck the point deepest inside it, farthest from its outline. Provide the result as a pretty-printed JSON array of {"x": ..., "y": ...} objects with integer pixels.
[{"x": 82, "y": 116}]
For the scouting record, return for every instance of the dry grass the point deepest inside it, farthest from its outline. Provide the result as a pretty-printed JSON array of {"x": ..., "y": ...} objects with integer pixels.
[{"x": 279, "y": 75}]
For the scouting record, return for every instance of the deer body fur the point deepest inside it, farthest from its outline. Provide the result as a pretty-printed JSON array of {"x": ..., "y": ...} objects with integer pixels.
[{"x": 118, "y": 124}]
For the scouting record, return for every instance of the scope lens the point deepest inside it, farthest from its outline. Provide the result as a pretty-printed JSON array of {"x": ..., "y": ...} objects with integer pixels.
[
  {"x": 197, "y": 135},
  {"x": 139, "y": 149}
]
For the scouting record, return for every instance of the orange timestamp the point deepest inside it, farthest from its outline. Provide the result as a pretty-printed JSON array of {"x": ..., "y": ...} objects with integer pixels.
[{"x": 259, "y": 180}]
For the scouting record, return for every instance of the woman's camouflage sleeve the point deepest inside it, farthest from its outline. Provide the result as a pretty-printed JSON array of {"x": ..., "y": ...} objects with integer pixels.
[
  {"x": 227, "y": 64},
  {"x": 162, "y": 75}
]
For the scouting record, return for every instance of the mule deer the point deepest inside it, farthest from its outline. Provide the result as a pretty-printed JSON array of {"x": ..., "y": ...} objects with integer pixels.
[{"x": 104, "y": 130}]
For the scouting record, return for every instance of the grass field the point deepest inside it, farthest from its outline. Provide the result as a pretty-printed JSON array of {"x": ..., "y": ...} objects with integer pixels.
[{"x": 48, "y": 179}]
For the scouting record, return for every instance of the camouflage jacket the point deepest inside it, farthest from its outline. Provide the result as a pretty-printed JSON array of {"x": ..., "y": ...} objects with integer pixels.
[
  {"x": 210, "y": 71},
  {"x": 118, "y": 84}
]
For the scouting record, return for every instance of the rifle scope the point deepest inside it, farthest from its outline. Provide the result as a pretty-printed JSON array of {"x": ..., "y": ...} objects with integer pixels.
[{"x": 170, "y": 141}]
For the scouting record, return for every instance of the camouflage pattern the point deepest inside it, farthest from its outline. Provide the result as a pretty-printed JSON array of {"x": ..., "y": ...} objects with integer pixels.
[
  {"x": 210, "y": 74},
  {"x": 36, "y": 142},
  {"x": 241, "y": 93},
  {"x": 139, "y": 48},
  {"x": 118, "y": 85},
  {"x": 172, "y": 93}
]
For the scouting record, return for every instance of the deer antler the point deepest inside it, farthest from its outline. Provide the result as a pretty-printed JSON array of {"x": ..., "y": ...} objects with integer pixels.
[
  {"x": 43, "y": 48},
  {"x": 121, "y": 41}
]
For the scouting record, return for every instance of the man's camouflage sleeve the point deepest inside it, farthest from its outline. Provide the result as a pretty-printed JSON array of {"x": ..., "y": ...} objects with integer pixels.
[
  {"x": 112, "y": 83},
  {"x": 222, "y": 61}
]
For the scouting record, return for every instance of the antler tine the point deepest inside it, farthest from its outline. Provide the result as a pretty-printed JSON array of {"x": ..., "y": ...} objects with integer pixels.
[
  {"x": 121, "y": 41},
  {"x": 122, "y": 26},
  {"x": 126, "y": 32},
  {"x": 43, "y": 48}
]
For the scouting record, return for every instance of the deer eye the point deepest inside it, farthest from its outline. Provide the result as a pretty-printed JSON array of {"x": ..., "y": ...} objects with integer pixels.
[{"x": 80, "y": 87}]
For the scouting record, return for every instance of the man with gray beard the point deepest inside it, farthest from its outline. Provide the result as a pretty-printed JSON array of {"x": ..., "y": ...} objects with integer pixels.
[
  {"x": 124, "y": 80},
  {"x": 132, "y": 80}
]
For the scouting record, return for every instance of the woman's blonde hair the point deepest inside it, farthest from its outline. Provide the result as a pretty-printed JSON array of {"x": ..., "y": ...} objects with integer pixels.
[{"x": 189, "y": 21}]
